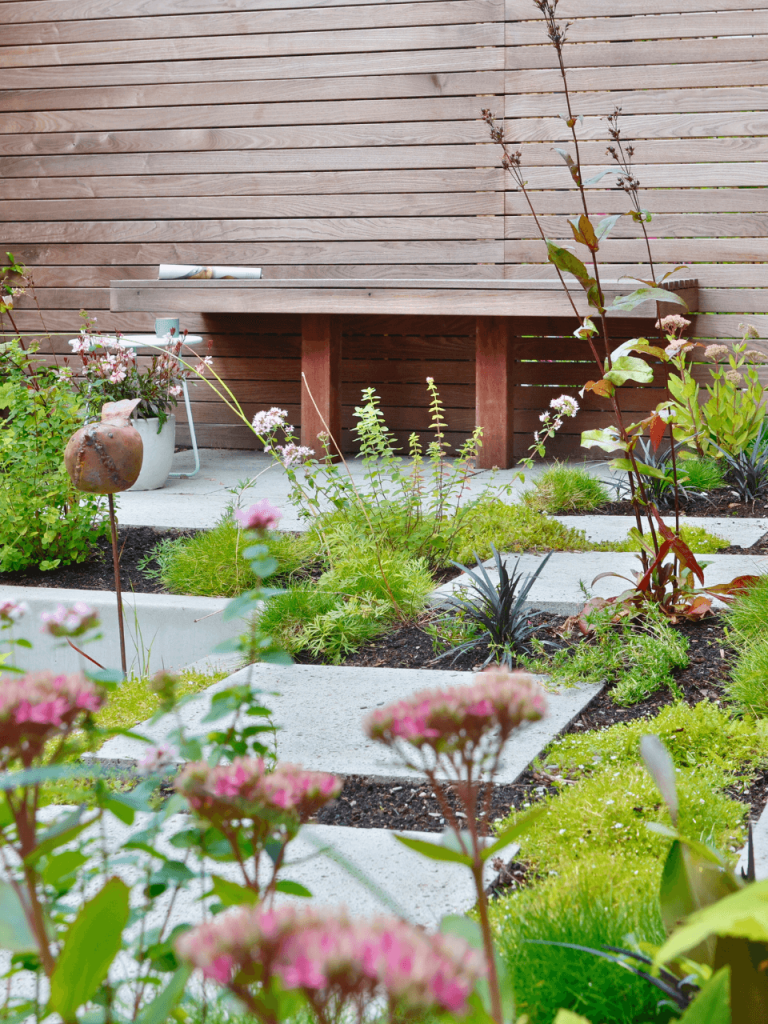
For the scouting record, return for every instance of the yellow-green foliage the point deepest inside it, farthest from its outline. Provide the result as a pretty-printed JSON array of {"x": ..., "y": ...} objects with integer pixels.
[
  {"x": 512, "y": 528},
  {"x": 699, "y": 540}
]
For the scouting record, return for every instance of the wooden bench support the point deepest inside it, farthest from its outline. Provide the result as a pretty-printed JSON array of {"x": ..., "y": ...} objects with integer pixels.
[
  {"x": 321, "y": 376},
  {"x": 494, "y": 381}
]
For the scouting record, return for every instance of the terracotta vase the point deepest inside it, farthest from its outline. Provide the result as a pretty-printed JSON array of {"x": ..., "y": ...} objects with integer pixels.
[{"x": 105, "y": 457}]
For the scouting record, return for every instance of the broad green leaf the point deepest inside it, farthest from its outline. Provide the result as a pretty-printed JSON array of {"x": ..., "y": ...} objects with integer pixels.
[
  {"x": 63, "y": 831},
  {"x": 293, "y": 888},
  {"x": 629, "y": 368},
  {"x": 713, "y": 1004},
  {"x": 160, "y": 1009},
  {"x": 231, "y": 894},
  {"x": 434, "y": 851},
  {"x": 464, "y": 927},
  {"x": 240, "y": 606},
  {"x": 15, "y": 932},
  {"x": 743, "y": 914},
  {"x": 91, "y": 944},
  {"x": 63, "y": 865},
  {"x": 565, "y": 260},
  {"x": 640, "y": 295},
  {"x": 608, "y": 439}
]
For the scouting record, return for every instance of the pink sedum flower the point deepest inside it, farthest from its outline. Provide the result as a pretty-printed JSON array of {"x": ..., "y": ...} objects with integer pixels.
[
  {"x": 335, "y": 959},
  {"x": 11, "y": 611},
  {"x": 496, "y": 702},
  {"x": 72, "y": 621},
  {"x": 37, "y": 706},
  {"x": 246, "y": 788},
  {"x": 261, "y": 516}
]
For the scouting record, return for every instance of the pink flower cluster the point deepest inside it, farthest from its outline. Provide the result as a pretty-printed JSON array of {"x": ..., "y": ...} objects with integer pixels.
[
  {"x": 674, "y": 324},
  {"x": 267, "y": 421},
  {"x": 36, "y": 706},
  {"x": 11, "y": 611},
  {"x": 451, "y": 719},
  {"x": 334, "y": 958},
  {"x": 261, "y": 516},
  {"x": 72, "y": 621},
  {"x": 246, "y": 788},
  {"x": 293, "y": 454}
]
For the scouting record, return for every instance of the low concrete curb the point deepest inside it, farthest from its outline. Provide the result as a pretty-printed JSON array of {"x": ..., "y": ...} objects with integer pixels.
[
  {"x": 163, "y": 631},
  {"x": 566, "y": 581}
]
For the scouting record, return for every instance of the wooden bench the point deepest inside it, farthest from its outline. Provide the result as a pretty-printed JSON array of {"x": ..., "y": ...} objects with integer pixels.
[{"x": 496, "y": 305}]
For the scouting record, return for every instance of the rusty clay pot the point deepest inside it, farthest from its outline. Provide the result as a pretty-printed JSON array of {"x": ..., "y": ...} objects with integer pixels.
[{"x": 105, "y": 457}]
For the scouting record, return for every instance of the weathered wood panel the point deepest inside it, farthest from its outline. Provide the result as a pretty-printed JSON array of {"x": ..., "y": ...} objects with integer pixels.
[{"x": 342, "y": 139}]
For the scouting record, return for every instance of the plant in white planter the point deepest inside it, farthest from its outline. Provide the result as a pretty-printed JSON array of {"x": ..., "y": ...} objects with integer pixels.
[{"x": 111, "y": 372}]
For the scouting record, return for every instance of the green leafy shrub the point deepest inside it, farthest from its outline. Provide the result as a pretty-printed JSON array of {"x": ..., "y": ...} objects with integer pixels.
[
  {"x": 44, "y": 520},
  {"x": 637, "y": 657},
  {"x": 211, "y": 563},
  {"x": 564, "y": 488}
]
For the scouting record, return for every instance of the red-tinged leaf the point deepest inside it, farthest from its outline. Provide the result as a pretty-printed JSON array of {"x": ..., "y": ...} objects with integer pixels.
[
  {"x": 658, "y": 428},
  {"x": 699, "y": 608},
  {"x": 681, "y": 549},
  {"x": 644, "y": 582},
  {"x": 603, "y": 387},
  {"x": 738, "y": 586}
]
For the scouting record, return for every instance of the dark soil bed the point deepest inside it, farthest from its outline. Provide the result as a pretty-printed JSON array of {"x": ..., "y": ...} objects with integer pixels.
[
  {"x": 133, "y": 543},
  {"x": 722, "y": 502}
]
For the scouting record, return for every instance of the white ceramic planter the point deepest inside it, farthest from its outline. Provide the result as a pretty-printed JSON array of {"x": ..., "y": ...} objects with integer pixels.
[{"x": 158, "y": 452}]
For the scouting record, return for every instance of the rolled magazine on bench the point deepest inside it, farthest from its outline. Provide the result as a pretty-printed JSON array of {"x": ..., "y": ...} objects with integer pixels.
[{"x": 189, "y": 271}]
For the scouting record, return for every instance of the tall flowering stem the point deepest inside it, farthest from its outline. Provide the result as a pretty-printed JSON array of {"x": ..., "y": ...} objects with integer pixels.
[
  {"x": 459, "y": 734},
  {"x": 340, "y": 965}
]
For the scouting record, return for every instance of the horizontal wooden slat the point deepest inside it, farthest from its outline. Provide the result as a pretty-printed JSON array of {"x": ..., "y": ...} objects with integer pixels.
[
  {"x": 255, "y": 253},
  {"x": 19, "y": 11},
  {"x": 262, "y": 92},
  {"x": 663, "y": 225},
  {"x": 364, "y": 157},
  {"x": 655, "y": 73},
  {"x": 638, "y": 27},
  {"x": 522, "y": 10},
  {"x": 234, "y": 22},
  {"x": 640, "y": 52},
  {"x": 657, "y": 201},
  {"x": 482, "y": 58},
  {"x": 304, "y": 137},
  {"x": 265, "y": 231},
  {"x": 643, "y": 101},
  {"x": 687, "y": 250},
  {"x": 144, "y": 118},
  {"x": 291, "y": 184},
  {"x": 647, "y": 126},
  {"x": 411, "y": 204},
  {"x": 253, "y": 45}
]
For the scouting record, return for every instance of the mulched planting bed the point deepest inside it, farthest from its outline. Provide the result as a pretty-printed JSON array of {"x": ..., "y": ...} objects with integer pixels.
[
  {"x": 721, "y": 502},
  {"x": 96, "y": 573}
]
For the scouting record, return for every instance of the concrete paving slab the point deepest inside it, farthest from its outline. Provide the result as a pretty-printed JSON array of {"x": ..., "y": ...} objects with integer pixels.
[
  {"x": 162, "y": 631},
  {"x": 760, "y": 839},
  {"x": 199, "y": 501},
  {"x": 743, "y": 532},
  {"x": 319, "y": 710},
  {"x": 566, "y": 580}
]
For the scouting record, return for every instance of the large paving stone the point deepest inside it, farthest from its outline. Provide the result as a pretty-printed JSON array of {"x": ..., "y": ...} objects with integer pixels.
[
  {"x": 742, "y": 532},
  {"x": 319, "y": 710}
]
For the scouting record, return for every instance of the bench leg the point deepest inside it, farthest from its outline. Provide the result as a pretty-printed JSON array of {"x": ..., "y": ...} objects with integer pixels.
[
  {"x": 321, "y": 379},
  {"x": 494, "y": 381}
]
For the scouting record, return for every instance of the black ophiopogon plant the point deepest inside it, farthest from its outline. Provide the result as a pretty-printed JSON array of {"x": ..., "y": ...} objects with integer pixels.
[
  {"x": 748, "y": 471},
  {"x": 499, "y": 609}
]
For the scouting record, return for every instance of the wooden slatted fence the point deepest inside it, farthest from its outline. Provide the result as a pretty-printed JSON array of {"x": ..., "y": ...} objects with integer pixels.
[{"x": 322, "y": 138}]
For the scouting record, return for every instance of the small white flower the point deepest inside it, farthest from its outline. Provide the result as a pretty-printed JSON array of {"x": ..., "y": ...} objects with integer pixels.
[{"x": 11, "y": 611}]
